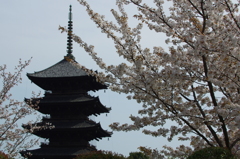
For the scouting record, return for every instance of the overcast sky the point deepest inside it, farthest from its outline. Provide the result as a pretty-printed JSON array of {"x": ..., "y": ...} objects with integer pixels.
[{"x": 30, "y": 29}]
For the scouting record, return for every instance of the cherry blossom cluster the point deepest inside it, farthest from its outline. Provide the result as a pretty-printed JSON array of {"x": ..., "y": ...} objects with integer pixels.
[
  {"x": 195, "y": 82},
  {"x": 12, "y": 137}
]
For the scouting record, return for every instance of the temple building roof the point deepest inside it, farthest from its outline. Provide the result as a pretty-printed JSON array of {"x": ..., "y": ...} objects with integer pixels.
[
  {"x": 56, "y": 152},
  {"x": 76, "y": 105},
  {"x": 64, "y": 68},
  {"x": 66, "y": 129},
  {"x": 65, "y": 75}
]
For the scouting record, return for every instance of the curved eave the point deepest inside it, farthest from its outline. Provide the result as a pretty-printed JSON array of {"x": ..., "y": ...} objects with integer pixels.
[
  {"x": 87, "y": 106},
  {"x": 67, "y": 83},
  {"x": 62, "y": 73},
  {"x": 56, "y": 152},
  {"x": 68, "y": 131},
  {"x": 63, "y": 68},
  {"x": 48, "y": 100}
]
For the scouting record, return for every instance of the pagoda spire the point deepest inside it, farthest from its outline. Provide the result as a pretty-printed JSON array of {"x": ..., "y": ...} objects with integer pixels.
[{"x": 69, "y": 38}]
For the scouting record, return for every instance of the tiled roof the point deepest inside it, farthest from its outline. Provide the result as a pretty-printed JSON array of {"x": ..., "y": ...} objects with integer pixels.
[
  {"x": 51, "y": 98},
  {"x": 63, "y": 68},
  {"x": 57, "y": 152}
]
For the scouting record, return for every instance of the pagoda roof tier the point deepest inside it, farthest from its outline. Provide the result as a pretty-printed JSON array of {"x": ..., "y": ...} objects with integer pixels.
[
  {"x": 67, "y": 129},
  {"x": 65, "y": 75},
  {"x": 56, "y": 152},
  {"x": 63, "y": 68},
  {"x": 69, "y": 104},
  {"x": 65, "y": 98}
]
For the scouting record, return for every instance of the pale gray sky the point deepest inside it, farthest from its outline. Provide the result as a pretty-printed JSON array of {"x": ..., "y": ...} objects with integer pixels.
[{"x": 30, "y": 29}]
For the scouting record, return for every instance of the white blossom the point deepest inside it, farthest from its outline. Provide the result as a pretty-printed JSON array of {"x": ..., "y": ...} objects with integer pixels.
[
  {"x": 13, "y": 138},
  {"x": 194, "y": 83}
]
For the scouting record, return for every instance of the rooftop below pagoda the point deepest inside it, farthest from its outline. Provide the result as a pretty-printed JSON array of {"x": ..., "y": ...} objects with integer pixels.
[{"x": 57, "y": 153}]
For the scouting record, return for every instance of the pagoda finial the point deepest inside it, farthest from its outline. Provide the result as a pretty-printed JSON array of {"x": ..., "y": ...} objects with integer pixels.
[
  {"x": 69, "y": 41},
  {"x": 70, "y": 12}
]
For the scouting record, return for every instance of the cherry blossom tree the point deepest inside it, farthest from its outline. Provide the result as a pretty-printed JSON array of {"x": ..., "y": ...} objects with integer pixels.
[
  {"x": 13, "y": 138},
  {"x": 195, "y": 82}
]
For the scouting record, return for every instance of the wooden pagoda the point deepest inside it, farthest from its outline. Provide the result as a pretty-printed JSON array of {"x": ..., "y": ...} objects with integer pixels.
[{"x": 68, "y": 105}]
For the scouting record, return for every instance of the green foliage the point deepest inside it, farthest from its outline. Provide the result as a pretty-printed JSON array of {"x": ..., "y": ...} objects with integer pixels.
[
  {"x": 3, "y": 155},
  {"x": 137, "y": 155},
  {"x": 212, "y": 153},
  {"x": 100, "y": 154},
  {"x": 111, "y": 155}
]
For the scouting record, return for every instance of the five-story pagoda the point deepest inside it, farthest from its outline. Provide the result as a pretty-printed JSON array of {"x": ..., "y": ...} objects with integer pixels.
[{"x": 69, "y": 105}]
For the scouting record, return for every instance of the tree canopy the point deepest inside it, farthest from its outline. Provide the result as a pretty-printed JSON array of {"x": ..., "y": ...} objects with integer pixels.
[
  {"x": 13, "y": 138},
  {"x": 195, "y": 82}
]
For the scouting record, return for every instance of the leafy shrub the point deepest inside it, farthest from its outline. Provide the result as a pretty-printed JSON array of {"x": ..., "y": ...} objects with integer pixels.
[
  {"x": 100, "y": 155},
  {"x": 3, "y": 155},
  {"x": 137, "y": 155},
  {"x": 212, "y": 153}
]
